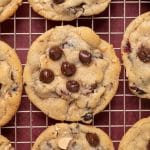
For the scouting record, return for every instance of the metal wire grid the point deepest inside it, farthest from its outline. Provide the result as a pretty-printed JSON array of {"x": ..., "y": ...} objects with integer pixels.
[{"x": 125, "y": 109}]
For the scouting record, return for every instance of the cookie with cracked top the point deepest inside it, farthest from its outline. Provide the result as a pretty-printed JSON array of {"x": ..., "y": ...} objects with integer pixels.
[
  {"x": 5, "y": 144},
  {"x": 136, "y": 55},
  {"x": 73, "y": 137},
  {"x": 137, "y": 137},
  {"x": 8, "y": 8},
  {"x": 80, "y": 82},
  {"x": 10, "y": 83},
  {"x": 68, "y": 9}
]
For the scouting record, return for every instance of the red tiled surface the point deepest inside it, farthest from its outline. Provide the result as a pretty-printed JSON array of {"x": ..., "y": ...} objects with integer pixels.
[{"x": 124, "y": 110}]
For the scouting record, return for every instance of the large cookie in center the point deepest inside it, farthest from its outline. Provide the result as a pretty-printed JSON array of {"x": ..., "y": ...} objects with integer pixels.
[{"x": 71, "y": 74}]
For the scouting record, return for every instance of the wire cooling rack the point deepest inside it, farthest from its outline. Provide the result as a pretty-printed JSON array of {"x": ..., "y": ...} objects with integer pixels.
[{"x": 125, "y": 109}]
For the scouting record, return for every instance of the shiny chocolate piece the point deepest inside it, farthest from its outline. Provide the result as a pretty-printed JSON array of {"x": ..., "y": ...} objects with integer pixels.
[
  {"x": 68, "y": 69},
  {"x": 46, "y": 76}
]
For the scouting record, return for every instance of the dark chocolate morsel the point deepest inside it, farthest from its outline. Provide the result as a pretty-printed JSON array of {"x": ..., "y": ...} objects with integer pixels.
[
  {"x": 46, "y": 76},
  {"x": 144, "y": 54},
  {"x": 55, "y": 53},
  {"x": 88, "y": 117},
  {"x": 127, "y": 47},
  {"x": 138, "y": 90},
  {"x": 72, "y": 86},
  {"x": 85, "y": 57},
  {"x": 68, "y": 69},
  {"x": 58, "y": 1},
  {"x": 92, "y": 139},
  {"x": 0, "y": 85},
  {"x": 148, "y": 145}
]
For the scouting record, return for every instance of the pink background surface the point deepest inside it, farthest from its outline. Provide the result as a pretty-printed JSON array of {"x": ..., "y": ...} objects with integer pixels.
[{"x": 125, "y": 109}]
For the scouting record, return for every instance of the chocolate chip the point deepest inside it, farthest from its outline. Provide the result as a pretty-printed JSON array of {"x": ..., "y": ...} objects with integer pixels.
[
  {"x": 72, "y": 86},
  {"x": 46, "y": 76},
  {"x": 85, "y": 57},
  {"x": 93, "y": 86},
  {"x": 92, "y": 139},
  {"x": 127, "y": 47},
  {"x": 144, "y": 54},
  {"x": 88, "y": 117},
  {"x": 76, "y": 9},
  {"x": 138, "y": 90},
  {"x": 55, "y": 53},
  {"x": 58, "y": 1},
  {"x": 0, "y": 85},
  {"x": 148, "y": 146},
  {"x": 68, "y": 69}
]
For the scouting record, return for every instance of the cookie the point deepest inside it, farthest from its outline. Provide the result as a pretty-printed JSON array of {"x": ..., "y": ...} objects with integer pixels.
[
  {"x": 5, "y": 144},
  {"x": 137, "y": 137},
  {"x": 136, "y": 55},
  {"x": 8, "y": 8},
  {"x": 71, "y": 74},
  {"x": 10, "y": 83},
  {"x": 68, "y": 9},
  {"x": 73, "y": 137}
]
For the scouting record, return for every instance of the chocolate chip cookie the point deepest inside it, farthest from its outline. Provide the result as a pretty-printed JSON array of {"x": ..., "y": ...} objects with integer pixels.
[
  {"x": 10, "y": 83},
  {"x": 137, "y": 137},
  {"x": 68, "y": 9},
  {"x": 5, "y": 144},
  {"x": 136, "y": 55},
  {"x": 71, "y": 74},
  {"x": 8, "y": 8},
  {"x": 73, "y": 137}
]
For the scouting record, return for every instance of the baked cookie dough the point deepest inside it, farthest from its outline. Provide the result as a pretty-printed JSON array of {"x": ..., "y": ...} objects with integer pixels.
[
  {"x": 136, "y": 55},
  {"x": 8, "y": 8},
  {"x": 10, "y": 83},
  {"x": 73, "y": 137},
  {"x": 68, "y": 9},
  {"x": 71, "y": 74},
  {"x": 5, "y": 144},
  {"x": 137, "y": 137}
]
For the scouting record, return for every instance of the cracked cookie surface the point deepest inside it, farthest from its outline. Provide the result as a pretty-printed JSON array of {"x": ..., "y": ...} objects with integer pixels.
[
  {"x": 10, "y": 83},
  {"x": 136, "y": 55},
  {"x": 68, "y": 9},
  {"x": 8, "y": 8},
  {"x": 73, "y": 137},
  {"x": 71, "y": 74},
  {"x": 137, "y": 137},
  {"x": 5, "y": 144}
]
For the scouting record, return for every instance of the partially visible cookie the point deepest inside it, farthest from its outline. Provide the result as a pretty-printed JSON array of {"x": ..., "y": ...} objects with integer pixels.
[
  {"x": 71, "y": 74},
  {"x": 137, "y": 137},
  {"x": 68, "y": 9},
  {"x": 136, "y": 55},
  {"x": 10, "y": 83},
  {"x": 8, "y": 8},
  {"x": 73, "y": 137},
  {"x": 5, "y": 144}
]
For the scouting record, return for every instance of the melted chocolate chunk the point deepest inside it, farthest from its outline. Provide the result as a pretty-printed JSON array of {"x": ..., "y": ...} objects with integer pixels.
[
  {"x": 0, "y": 86},
  {"x": 55, "y": 53},
  {"x": 46, "y": 76},
  {"x": 137, "y": 90},
  {"x": 72, "y": 86},
  {"x": 88, "y": 117},
  {"x": 68, "y": 69},
  {"x": 85, "y": 57},
  {"x": 144, "y": 54},
  {"x": 148, "y": 146},
  {"x": 127, "y": 47},
  {"x": 92, "y": 139},
  {"x": 76, "y": 9},
  {"x": 58, "y": 1},
  {"x": 12, "y": 77},
  {"x": 93, "y": 87}
]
